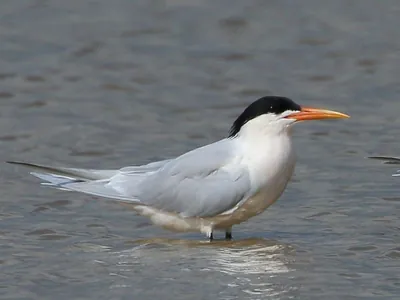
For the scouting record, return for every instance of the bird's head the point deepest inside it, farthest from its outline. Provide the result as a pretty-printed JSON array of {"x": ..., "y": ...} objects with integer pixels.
[{"x": 272, "y": 114}]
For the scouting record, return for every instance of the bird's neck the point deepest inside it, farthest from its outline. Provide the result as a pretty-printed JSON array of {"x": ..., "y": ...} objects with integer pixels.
[
  {"x": 266, "y": 146},
  {"x": 269, "y": 156},
  {"x": 264, "y": 136}
]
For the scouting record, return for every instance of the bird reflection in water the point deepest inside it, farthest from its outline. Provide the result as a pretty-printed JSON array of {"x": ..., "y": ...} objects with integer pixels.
[{"x": 251, "y": 266}]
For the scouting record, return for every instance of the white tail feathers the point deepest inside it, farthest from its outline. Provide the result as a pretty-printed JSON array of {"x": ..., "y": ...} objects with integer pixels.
[
  {"x": 88, "y": 181},
  {"x": 83, "y": 174}
]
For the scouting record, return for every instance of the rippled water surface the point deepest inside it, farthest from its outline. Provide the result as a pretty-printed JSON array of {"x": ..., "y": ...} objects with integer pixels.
[{"x": 105, "y": 84}]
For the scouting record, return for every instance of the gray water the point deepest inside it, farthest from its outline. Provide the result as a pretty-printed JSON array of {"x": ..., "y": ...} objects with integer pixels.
[{"x": 104, "y": 84}]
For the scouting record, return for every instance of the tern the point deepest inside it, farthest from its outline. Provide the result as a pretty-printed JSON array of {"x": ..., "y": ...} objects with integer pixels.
[
  {"x": 210, "y": 188},
  {"x": 390, "y": 160}
]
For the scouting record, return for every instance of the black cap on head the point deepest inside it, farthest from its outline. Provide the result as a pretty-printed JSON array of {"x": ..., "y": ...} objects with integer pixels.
[{"x": 264, "y": 105}]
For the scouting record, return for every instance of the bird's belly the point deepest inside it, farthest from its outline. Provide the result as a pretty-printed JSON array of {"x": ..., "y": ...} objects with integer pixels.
[
  {"x": 258, "y": 202},
  {"x": 255, "y": 205},
  {"x": 248, "y": 209},
  {"x": 172, "y": 221}
]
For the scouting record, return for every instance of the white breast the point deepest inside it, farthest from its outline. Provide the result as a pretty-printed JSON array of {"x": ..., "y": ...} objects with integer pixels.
[{"x": 270, "y": 161}]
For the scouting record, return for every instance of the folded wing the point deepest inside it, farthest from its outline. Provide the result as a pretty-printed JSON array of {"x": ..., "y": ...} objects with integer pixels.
[{"x": 204, "y": 182}]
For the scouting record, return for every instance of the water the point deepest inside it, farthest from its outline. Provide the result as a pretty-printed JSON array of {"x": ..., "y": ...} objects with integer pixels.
[{"x": 113, "y": 83}]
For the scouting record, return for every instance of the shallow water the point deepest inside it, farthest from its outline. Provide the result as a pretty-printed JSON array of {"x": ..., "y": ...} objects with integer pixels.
[{"x": 112, "y": 83}]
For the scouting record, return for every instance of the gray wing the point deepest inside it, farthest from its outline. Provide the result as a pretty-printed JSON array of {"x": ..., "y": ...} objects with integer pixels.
[
  {"x": 203, "y": 182},
  {"x": 94, "y": 182},
  {"x": 150, "y": 167},
  {"x": 387, "y": 159},
  {"x": 391, "y": 160}
]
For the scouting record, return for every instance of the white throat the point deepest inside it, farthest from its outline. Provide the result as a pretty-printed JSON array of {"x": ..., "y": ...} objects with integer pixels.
[
  {"x": 265, "y": 127},
  {"x": 267, "y": 152}
]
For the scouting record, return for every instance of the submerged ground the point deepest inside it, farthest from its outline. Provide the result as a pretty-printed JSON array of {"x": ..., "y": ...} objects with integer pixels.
[{"x": 105, "y": 84}]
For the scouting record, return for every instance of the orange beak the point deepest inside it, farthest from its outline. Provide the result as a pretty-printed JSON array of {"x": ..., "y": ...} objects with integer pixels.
[{"x": 309, "y": 113}]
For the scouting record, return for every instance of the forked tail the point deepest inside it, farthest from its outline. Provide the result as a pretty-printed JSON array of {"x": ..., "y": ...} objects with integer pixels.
[{"x": 89, "y": 181}]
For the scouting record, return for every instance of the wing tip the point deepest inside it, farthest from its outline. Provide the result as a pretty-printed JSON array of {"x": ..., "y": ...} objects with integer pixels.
[
  {"x": 13, "y": 162},
  {"x": 390, "y": 160},
  {"x": 20, "y": 163}
]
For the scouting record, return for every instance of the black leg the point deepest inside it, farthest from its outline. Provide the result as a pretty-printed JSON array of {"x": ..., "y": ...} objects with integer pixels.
[
  {"x": 228, "y": 235},
  {"x": 211, "y": 236}
]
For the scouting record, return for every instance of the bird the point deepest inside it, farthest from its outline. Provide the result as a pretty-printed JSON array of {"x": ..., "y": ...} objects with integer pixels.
[
  {"x": 210, "y": 188},
  {"x": 390, "y": 160}
]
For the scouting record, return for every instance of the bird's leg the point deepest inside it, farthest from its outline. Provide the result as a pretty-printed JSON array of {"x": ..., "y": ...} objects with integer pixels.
[
  {"x": 210, "y": 235},
  {"x": 228, "y": 234}
]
